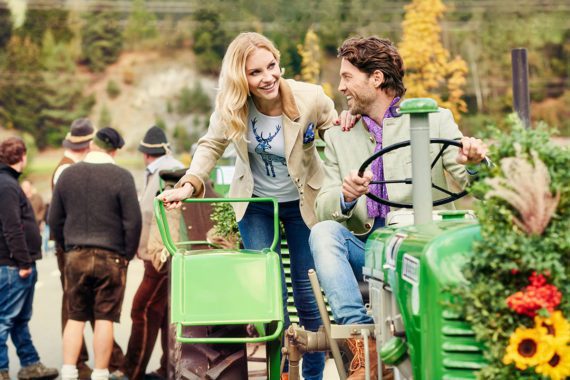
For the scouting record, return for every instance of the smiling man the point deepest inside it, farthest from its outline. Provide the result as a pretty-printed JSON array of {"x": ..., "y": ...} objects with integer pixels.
[{"x": 371, "y": 74}]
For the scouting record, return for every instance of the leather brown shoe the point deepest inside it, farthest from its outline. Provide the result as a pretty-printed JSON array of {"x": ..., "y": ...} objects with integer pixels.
[
  {"x": 357, "y": 370},
  {"x": 84, "y": 371}
]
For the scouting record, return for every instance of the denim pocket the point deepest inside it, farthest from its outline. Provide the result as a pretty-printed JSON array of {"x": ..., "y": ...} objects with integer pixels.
[
  {"x": 8, "y": 274},
  {"x": 12, "y": 282}
]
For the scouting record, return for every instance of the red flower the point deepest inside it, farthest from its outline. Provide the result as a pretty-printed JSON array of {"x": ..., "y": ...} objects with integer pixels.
[{"x": 538, "y": 295}]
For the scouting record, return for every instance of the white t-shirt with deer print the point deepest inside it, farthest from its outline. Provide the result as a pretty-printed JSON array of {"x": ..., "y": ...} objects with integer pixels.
[{"x": 266, "y": 149}]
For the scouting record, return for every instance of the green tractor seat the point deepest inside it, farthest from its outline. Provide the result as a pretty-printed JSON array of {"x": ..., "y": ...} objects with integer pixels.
[
  {"x": 226, "y": 287},
  {"x": 221, "y": 287}
]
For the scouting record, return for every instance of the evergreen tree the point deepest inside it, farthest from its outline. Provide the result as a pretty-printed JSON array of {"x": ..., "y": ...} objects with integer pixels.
[
  {"x": 429, "y": 70},
  {"x": 39, "y": 20},
  {"x": 5, "y": 24},
  {"x": 75, "y": 23},
  {"x": 41, "y": 94},
  {"x": 141, "y": 25},
  {"x": 63, "y": 95},
  {"x": 210, "y": 40},
  {"x": 21, "y": 91},
  {"x": 55, "y": 56},
  {"x": 101, "y": 39}
]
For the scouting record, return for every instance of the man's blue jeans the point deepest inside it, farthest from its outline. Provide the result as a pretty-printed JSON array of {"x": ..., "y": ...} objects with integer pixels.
[
  {"x": 16, "y": 299},
  {"x": 339, "y": 258},
  {"x": 256, "y": 228}
]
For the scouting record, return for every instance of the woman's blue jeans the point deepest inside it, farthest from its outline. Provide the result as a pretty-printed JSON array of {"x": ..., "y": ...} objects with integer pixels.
[{"x": 256, "y": 229}]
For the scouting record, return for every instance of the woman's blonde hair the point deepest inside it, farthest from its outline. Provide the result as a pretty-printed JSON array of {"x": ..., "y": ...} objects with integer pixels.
[{"x": 233, "y": 92}]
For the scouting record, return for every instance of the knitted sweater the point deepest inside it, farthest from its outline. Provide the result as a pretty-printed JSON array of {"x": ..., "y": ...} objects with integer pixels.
[
  {"x": 95, "y": 205},
  {"x": 20, "y": 239}
]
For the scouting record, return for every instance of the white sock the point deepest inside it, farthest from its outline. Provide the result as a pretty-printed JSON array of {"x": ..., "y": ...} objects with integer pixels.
[
  {"x": 69, "y": 372},
  {"x": 99, "y": 374}
]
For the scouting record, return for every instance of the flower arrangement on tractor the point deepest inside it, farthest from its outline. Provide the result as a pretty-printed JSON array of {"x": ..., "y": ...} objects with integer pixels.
[{"x": 518, "y": 296}]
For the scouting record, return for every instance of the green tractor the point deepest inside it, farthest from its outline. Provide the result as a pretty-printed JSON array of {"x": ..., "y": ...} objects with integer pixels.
[
  {"x": 423, "y": 271},
  {"x": 410, "y": 270},
  {"x": 408, "y": 266},
  {"x": 411, "y": 266}
]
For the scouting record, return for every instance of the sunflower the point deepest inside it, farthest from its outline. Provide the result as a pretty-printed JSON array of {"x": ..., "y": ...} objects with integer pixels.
[
  {"x": 558, "y": 366},
  {"x": 556, "y": 326},
  {"x": 528, "y": 347}
]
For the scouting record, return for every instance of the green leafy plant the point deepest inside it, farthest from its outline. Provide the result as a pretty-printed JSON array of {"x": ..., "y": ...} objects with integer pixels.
[
  {"x": 183, "y": 138},
  {"x": 510, "y": 252},
  {"x": 193, "y": 100},
  {"x": 160, "y": 123},
  {"x": 105, "y": 119},
  {"x": 113, "y": 89},
  {"x": 225, "y": 224}
]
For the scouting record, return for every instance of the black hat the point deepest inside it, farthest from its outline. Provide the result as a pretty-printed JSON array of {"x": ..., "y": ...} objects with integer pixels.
[
  {"x": 80, "y": 134},
  {"x": 109, "y": 139},
  {"x": 154, "y": 142}
]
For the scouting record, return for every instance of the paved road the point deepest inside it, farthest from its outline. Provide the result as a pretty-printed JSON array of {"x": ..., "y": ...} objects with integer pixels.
[{"x": 45, "y": 324}]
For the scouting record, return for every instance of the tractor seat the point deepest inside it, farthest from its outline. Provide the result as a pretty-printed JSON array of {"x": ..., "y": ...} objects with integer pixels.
[{"x": 172, "y": 175}]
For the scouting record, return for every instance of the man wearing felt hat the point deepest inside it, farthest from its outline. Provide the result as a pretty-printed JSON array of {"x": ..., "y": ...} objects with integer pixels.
[
  {"x": 96, "y": 218},
  {"x": 76, "y": 144},
  {"x": 150, "y": 305}
]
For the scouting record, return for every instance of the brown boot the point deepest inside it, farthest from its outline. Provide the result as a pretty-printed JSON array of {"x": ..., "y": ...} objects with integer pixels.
[
  {"x": 357, "y": 370},
  {"x": 83, "y": 370}
]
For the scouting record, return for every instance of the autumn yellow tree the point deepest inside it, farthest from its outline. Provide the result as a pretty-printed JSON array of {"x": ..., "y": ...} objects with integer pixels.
[
  {"x": 430, "y": 72},
  {"x": 310, "y": 53}
]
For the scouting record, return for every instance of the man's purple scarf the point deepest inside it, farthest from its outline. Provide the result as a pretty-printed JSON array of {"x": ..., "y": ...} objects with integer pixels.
[{"x": 374, "y": 208}]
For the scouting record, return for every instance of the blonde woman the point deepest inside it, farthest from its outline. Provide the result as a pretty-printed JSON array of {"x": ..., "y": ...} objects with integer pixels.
[{"x": 272, "y": 124}]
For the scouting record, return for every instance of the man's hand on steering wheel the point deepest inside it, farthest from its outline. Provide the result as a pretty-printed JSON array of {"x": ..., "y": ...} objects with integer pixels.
[
  {"x": 354, "y": 186},
  {"x": 473, "y": 151}
]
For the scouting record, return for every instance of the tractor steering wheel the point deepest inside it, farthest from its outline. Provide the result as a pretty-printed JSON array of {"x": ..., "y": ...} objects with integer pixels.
[{"x": 452, "y": 196}]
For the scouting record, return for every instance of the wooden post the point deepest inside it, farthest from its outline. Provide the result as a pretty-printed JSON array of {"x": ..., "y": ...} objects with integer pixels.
[{"x": 521, "y": 97}]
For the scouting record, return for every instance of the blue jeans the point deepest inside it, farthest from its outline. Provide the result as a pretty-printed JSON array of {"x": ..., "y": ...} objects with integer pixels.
[
  {"x": 16, "y": 299},
  {"x": 256, "y": 229},
  {"x": 339, "y": 258}
]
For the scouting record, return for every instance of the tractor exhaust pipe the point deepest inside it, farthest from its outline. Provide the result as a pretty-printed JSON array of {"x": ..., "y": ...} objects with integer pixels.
[{"x": 419, "y": 110}]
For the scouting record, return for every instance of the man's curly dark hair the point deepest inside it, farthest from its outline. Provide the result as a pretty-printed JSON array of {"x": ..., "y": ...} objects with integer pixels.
[
  {"x": 12, "y": 150},
  {"x": 373, "y": 53}
]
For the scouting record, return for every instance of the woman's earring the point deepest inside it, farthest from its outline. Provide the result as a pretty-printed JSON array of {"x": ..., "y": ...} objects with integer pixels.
[{"x": 282, "y": 71}]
